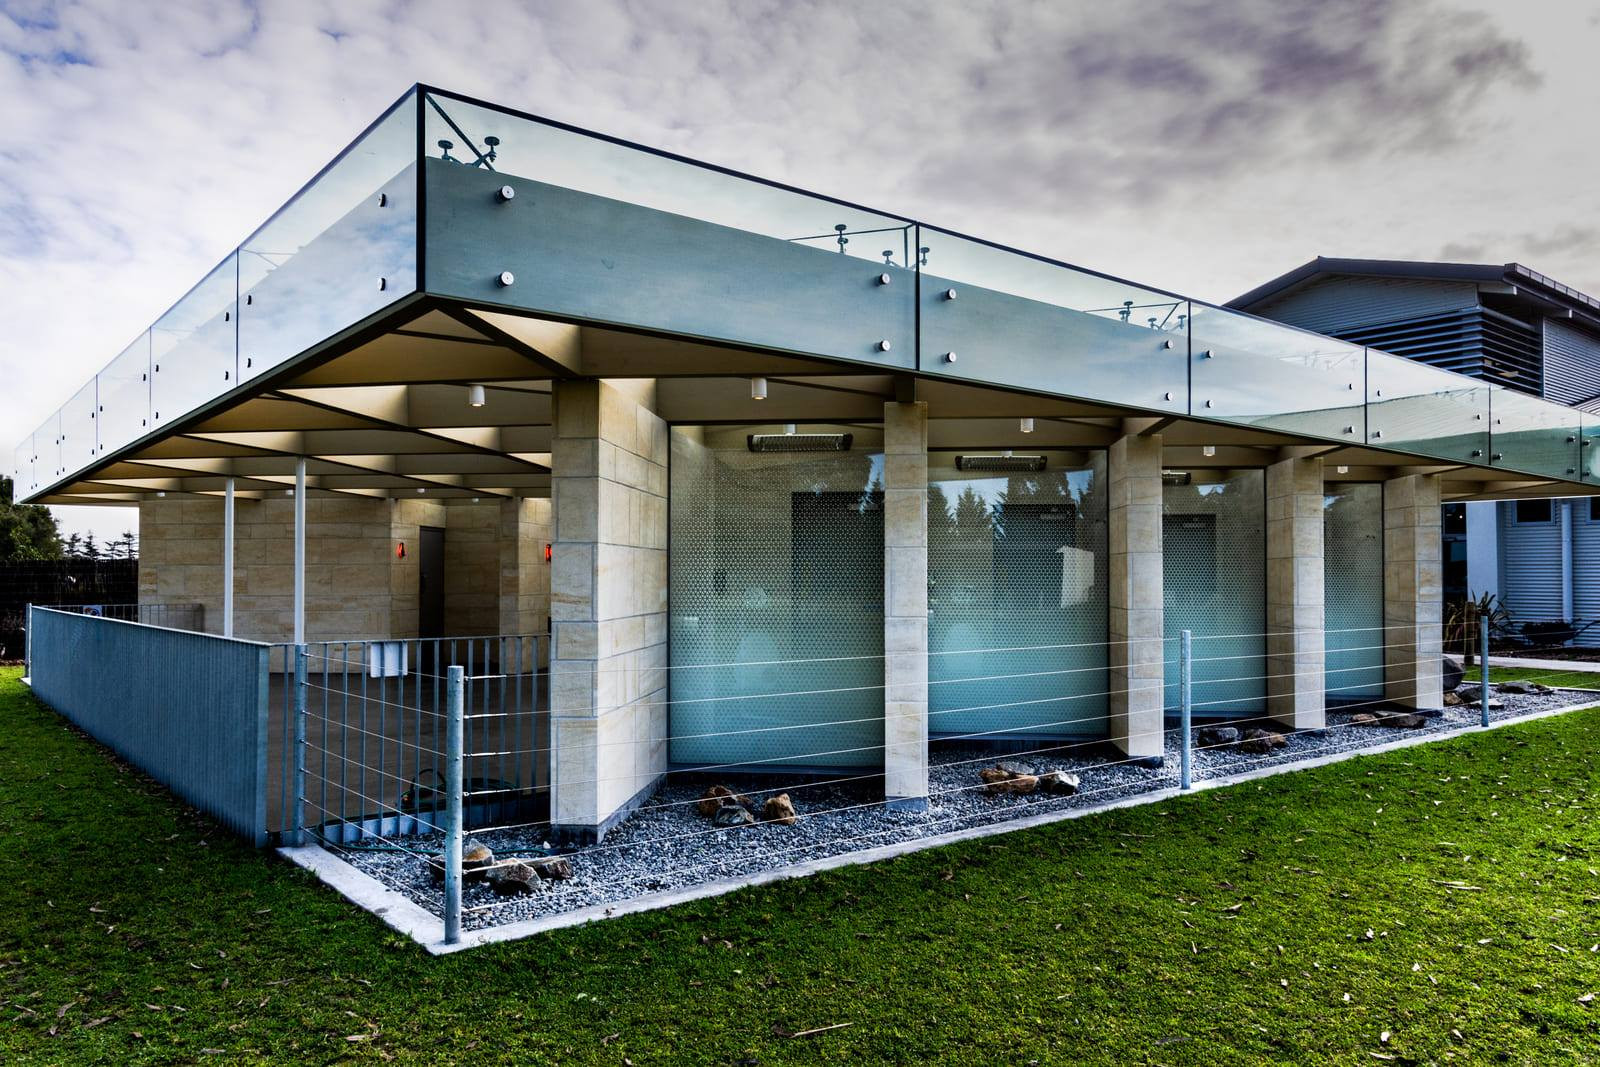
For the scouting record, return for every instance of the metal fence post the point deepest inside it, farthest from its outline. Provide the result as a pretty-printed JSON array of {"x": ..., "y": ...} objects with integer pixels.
[
  {"x": 1483, "y": 663},
  {"x": 1185, "y": 706},
  {"x": 300, "y": 744},
  {"x": 454, "y": 722}
]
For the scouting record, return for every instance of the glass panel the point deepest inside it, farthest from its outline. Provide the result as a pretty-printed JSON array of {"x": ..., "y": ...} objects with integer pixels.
[
  {"x": 776, "y": 603},
  {"x": 192, "y": 347},
  {"x": 1214, "y": 566},
  {"x": 1352, "y": 532},
  {"x": 22, "y": 468},
  {"x": 1412, "y": 407},
  {"x": 1589, "y": 445},
  {"x": 1017, "y": 599},
  {"x": 608, "y": 232},
  {"x": 47, "y": 452},
  {"x": 78, "y": 442},
  {"x": 1533, "y": 435},
  {"x": 124, "y": 414},
  {"x": 1014, "y": 320},
  {"x": 345, "y": 247},
  {"x": 1266, "y": 374}
]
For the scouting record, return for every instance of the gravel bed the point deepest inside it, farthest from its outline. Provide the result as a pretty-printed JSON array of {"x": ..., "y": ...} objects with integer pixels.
[{"x": 668, "y": 844}]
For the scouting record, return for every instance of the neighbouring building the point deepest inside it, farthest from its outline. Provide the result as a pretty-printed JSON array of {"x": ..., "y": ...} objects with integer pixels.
[
  {"x": 1508, "y": 326},
  {"x": 797, "y": 484}
]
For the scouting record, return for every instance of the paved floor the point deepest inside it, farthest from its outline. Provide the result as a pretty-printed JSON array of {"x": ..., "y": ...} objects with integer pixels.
[{"x": 1576, "y": 665}]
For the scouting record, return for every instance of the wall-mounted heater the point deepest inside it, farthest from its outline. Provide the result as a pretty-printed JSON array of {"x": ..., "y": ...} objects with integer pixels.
[
  {"x": 800, "y": 442},
  {"x": 1000, "y": 463}
]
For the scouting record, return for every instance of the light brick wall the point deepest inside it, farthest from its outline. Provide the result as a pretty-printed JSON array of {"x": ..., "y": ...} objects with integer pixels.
[
  {"x": 356, "y": 585},
  {"x": 1413, "y": 592},
  {"x": 1136, "y": 655},
  {"x": 1295, "y": 608},
  {"x": 608, "y": 599},
  {"x": 905, "y": 599}
]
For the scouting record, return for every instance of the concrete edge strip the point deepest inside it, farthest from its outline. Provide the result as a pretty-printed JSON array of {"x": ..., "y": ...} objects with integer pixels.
[
  {"x": 428, "y": 930},
  {"x": 400, "y": 912}
]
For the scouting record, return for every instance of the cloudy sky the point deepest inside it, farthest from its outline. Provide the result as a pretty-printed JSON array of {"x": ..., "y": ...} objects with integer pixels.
[{"x": 1196, "y": 145}]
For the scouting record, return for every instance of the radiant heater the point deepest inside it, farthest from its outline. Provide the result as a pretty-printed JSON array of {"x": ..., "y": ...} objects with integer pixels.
[
  {"x": 800, "y": 442},
  {"x": 1000, "y": 463}
]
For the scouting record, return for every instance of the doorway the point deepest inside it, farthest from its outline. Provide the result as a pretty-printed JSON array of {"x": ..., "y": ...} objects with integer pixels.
[{"x": 430, "y": 583}]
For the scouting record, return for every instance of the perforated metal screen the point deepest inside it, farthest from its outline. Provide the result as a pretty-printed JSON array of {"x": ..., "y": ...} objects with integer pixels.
[
  {"x": 1017, "y": 599},
  {"x": 776, "y": 610},
  {"x": 1352, "y": 540},
  {"x": 1214, "y": 585}
]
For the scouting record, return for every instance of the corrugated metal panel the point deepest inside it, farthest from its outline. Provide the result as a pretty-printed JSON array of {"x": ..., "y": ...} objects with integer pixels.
[
  {"x": 1342, "y": 301},
  {"x": 1586, "y": 570},
  {"x": 1572, "y": 363},
  {"x": 188, "y": 709},
  {"x": 1531, "y": 562}
]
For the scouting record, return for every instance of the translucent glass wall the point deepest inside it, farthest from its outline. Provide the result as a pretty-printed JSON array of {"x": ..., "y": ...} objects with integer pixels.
[
  {"x": 775, "y": 604},
  {"x": 1352, "y": 545},
  {"x": 344, "y": 247},
  {"x": 1017, "y": 599},
  {"x": 1214, "y": 585}
]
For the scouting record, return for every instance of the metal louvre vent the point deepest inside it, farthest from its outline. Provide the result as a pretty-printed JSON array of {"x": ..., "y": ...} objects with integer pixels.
[
  {"x": 1000, "y": 463},
  {"x": 800, "y": 442},
  {"x": 1352, "y": 536}
]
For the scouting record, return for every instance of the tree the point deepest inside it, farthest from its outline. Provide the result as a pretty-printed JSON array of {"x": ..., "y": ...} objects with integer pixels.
[
  {"x": 130, "y": 545},
  {"x": 27, "y": 531},
  {"x": 74, "y": 547},
  {"x": 91, "y": 550}
]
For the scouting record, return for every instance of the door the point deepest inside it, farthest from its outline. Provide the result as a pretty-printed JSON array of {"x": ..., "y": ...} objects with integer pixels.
[{"x": 430, "y": 583}]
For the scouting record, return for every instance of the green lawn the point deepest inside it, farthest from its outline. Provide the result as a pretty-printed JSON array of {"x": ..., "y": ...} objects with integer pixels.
[
  {"x": 1558, "y": 679},
  {"x": 1445, "y": 896}
]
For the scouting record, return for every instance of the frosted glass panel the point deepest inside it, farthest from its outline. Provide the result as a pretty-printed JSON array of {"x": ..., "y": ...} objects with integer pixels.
[
  {"x": 1214, "y": 585},
  {"x": 1352, "y": 538},
  {"x": 1017, "y": 599},
  {"x": 776, "y": 604}
]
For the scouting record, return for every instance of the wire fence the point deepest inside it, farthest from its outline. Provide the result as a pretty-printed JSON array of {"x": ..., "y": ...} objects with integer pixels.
[{"x": 457, "y": 752}]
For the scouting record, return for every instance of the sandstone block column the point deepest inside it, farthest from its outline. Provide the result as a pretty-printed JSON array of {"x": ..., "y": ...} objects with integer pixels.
[
  {"x": 1136, "y": 654},
  {"x": 1296, "y": 655},
  {"x": 905, "y": 604},
  {"x": 608, "y": 601},
  {"x": 1413, "y": 592},
  {"x": 524, "y": 598}
]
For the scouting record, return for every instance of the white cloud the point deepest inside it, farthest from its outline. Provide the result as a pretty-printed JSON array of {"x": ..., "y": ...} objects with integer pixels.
[{"x": 1192, "y": 145}]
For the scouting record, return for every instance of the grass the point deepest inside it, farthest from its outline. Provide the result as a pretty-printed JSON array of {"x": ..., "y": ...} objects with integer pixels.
[{"x": 1444, "y": 896}]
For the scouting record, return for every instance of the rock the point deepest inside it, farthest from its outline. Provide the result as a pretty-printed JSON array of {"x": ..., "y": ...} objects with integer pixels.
[
  {"x": 1452, "y": 673},
  {"x": 999, "y": 780},
  {"x": 509, "y": 879},
  {"x": 1401, "y": 720},
  {"x": 1215, "y": 736},
  {"x": 730, "y": 815},
  {"x": 1523, "y": 688},
  {"x": 1453, "y": 699},
  {"x": 1363, "y": 718},
  {"x": 476, "y": 858},
  {"x": 553, "y": 868},
  {"x": 1259, "y": 742},
  {"x": 1014, "y": 769},
  {"x": 1063, "y": 782},
  {"x": 720, "y": 796},
  {"x": 779, "y": 809},
  {"x": 1495, "y": 704}
]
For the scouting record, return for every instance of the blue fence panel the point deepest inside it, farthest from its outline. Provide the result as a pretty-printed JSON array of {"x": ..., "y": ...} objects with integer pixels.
[{"x": 188, "y": 709}]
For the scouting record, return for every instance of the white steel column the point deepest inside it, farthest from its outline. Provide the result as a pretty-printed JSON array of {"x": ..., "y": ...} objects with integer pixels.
[
  {"x": 299, "y": 550},
  {"x": 227, "y": 560}
]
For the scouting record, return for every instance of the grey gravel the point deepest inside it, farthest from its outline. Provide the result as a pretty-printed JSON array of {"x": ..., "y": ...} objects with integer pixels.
[{"x": 666, "y": 844}]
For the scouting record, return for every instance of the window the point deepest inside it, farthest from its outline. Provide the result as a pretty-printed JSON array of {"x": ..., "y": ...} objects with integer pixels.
[
  {"x": 1533, "y": 511},
  {"x": 1594, "y": 509}
]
